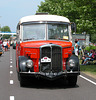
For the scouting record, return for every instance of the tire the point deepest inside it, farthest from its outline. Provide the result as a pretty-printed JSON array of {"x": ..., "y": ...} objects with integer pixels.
[
  {"x": 18, "y": 75},
  {"x": 72, "y": 80},
  {"x": 22, "y": 82}
]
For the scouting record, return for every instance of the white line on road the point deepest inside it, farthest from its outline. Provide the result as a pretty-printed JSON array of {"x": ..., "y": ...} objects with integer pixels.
[
  {"x": 11, "y": 62},
  {"x": 88, "y": 79},
  {"x": 11, "y": 72},
  {"x": 10, "y": 58},
  {"x": 11, "y": 66},
  {"x": 12, "y": 98},
  {"x": 11, "y": 81}
]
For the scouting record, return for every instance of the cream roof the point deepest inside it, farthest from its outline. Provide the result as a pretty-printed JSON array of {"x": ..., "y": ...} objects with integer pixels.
[{"x": 44, "y": 18}]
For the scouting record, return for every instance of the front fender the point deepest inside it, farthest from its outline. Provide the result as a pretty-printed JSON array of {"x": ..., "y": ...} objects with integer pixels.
[
  {"x": 22, "y": 64},
  {"x": 77, "y": 65}
]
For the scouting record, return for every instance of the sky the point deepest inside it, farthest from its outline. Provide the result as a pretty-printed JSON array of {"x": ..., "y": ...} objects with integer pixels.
[{"x": 11, "y": 11}]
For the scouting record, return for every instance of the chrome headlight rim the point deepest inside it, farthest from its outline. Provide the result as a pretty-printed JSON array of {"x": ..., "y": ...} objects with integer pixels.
[
  {"x": 29, "y": 63},
  {"x": 71, "y": 63}
]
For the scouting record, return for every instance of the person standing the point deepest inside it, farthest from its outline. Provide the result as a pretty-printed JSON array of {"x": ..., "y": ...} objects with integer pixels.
[
  {"x": 78, "y": 43},
  {"x": 76, "y": 48},
  {"x": 5, "y": 45}
]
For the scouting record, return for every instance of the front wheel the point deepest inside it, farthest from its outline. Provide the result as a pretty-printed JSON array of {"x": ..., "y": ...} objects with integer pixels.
[
  {"x": 18, "y": 76},
  {"x": 72, "y": 80},
  {"x": 22, "y": 81}
]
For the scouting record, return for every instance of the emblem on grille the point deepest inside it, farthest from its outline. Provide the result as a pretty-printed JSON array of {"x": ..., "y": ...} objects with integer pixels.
[{"x": 45, "y": 59}]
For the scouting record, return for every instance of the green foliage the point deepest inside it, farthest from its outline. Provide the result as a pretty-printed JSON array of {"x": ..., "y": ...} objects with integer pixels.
[
  {"x": 88, "y": 48},
  {"x": 6, "y": 36},
  {"x": 88, "y": 68},
  {"x": 93, "y": 38},
  {"x": 82, "y": 12},
  {"x": 6, "y": 29},
  {"x": 0, "y": 28}
]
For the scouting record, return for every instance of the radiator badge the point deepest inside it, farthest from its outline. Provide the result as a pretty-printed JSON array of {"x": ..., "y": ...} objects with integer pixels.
[{"x": 45, "y": 59}]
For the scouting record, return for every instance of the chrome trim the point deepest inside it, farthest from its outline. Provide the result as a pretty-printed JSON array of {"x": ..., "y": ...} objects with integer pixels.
[
  {"x": 76, "y": 72},
  {"x": 43, "y": 22},
  {"x": 51, "y": 45}
]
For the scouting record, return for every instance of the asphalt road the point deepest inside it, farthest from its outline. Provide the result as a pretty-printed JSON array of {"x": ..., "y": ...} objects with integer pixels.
[{"x": 41, "y": 90}]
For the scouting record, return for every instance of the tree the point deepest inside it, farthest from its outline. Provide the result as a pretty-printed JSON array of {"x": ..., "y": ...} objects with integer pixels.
[
  {"x": 6, "y": 29},
  {"x": 65, "y": 8},
  {"x": 93, "y": 38},
  {"x": 82, "y": 12},
  {"x": 6, "y": 36},
  {"x": 86, "y": 9}
]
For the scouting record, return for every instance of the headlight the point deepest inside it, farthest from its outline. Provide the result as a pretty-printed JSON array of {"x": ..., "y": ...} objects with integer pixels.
[
  {"x": 71, "y": 63},
  {"x": 29, "y": 63}
]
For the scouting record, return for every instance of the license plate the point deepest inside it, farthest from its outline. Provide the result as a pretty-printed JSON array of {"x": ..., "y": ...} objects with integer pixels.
[{"x": 45, "y": 59}]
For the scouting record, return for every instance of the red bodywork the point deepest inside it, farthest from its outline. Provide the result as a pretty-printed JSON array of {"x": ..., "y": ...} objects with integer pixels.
[{"x": 32, "y": 49}]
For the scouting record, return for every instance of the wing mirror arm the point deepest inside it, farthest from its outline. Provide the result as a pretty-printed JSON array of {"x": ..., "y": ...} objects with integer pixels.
[{"x": 73, "y": 27}]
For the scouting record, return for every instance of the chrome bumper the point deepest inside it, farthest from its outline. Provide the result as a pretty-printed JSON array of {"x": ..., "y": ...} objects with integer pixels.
[{"x": 49, "y": 76}]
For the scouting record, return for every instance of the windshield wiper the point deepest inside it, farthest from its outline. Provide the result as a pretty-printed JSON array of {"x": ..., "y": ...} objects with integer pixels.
[{"x": 29, "y": 39}]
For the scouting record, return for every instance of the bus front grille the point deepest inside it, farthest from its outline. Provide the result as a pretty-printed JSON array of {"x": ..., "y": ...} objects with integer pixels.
[{"x": 53, "y": 52}]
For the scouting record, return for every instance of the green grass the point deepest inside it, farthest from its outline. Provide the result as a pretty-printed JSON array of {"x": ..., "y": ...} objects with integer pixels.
[{"x": 88, "y": 68}]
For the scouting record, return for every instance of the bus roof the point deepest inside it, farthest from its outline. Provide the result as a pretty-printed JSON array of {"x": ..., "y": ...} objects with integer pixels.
[{"x": 41, "y": 18}]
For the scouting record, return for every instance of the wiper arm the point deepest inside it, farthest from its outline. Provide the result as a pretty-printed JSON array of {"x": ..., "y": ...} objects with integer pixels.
[{"x": 29, "y": 39}]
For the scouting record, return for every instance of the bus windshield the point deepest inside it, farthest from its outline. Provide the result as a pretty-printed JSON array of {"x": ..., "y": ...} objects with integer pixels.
[
  {"x": 34, "y": 32},
  {"x": 47, "y": 31},
  {"x": 58, "y": 31}
]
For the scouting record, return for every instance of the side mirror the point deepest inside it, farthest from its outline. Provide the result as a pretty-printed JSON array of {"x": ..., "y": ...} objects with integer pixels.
[{"x": 73, "y": 27}]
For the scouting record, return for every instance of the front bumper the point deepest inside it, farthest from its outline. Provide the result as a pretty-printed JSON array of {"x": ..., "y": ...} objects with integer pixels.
[{"x": 49, "y": 76}]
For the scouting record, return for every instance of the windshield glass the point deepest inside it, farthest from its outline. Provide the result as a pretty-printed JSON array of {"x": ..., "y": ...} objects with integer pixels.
[
  {"x": 34, "y": 32},
  {"x": 58, "y": 31},
  {"x": 50, "y": 31}
]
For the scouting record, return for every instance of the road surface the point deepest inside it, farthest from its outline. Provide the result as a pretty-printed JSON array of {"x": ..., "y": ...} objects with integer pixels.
[{"x": 41, "y": 90}]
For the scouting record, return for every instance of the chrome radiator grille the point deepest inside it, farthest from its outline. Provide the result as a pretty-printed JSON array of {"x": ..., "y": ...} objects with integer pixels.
[{"x": 54, "y": 52}]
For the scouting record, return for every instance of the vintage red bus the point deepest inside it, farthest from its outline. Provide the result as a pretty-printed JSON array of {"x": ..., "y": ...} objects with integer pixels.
[{"x": 44, "y": 49}]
